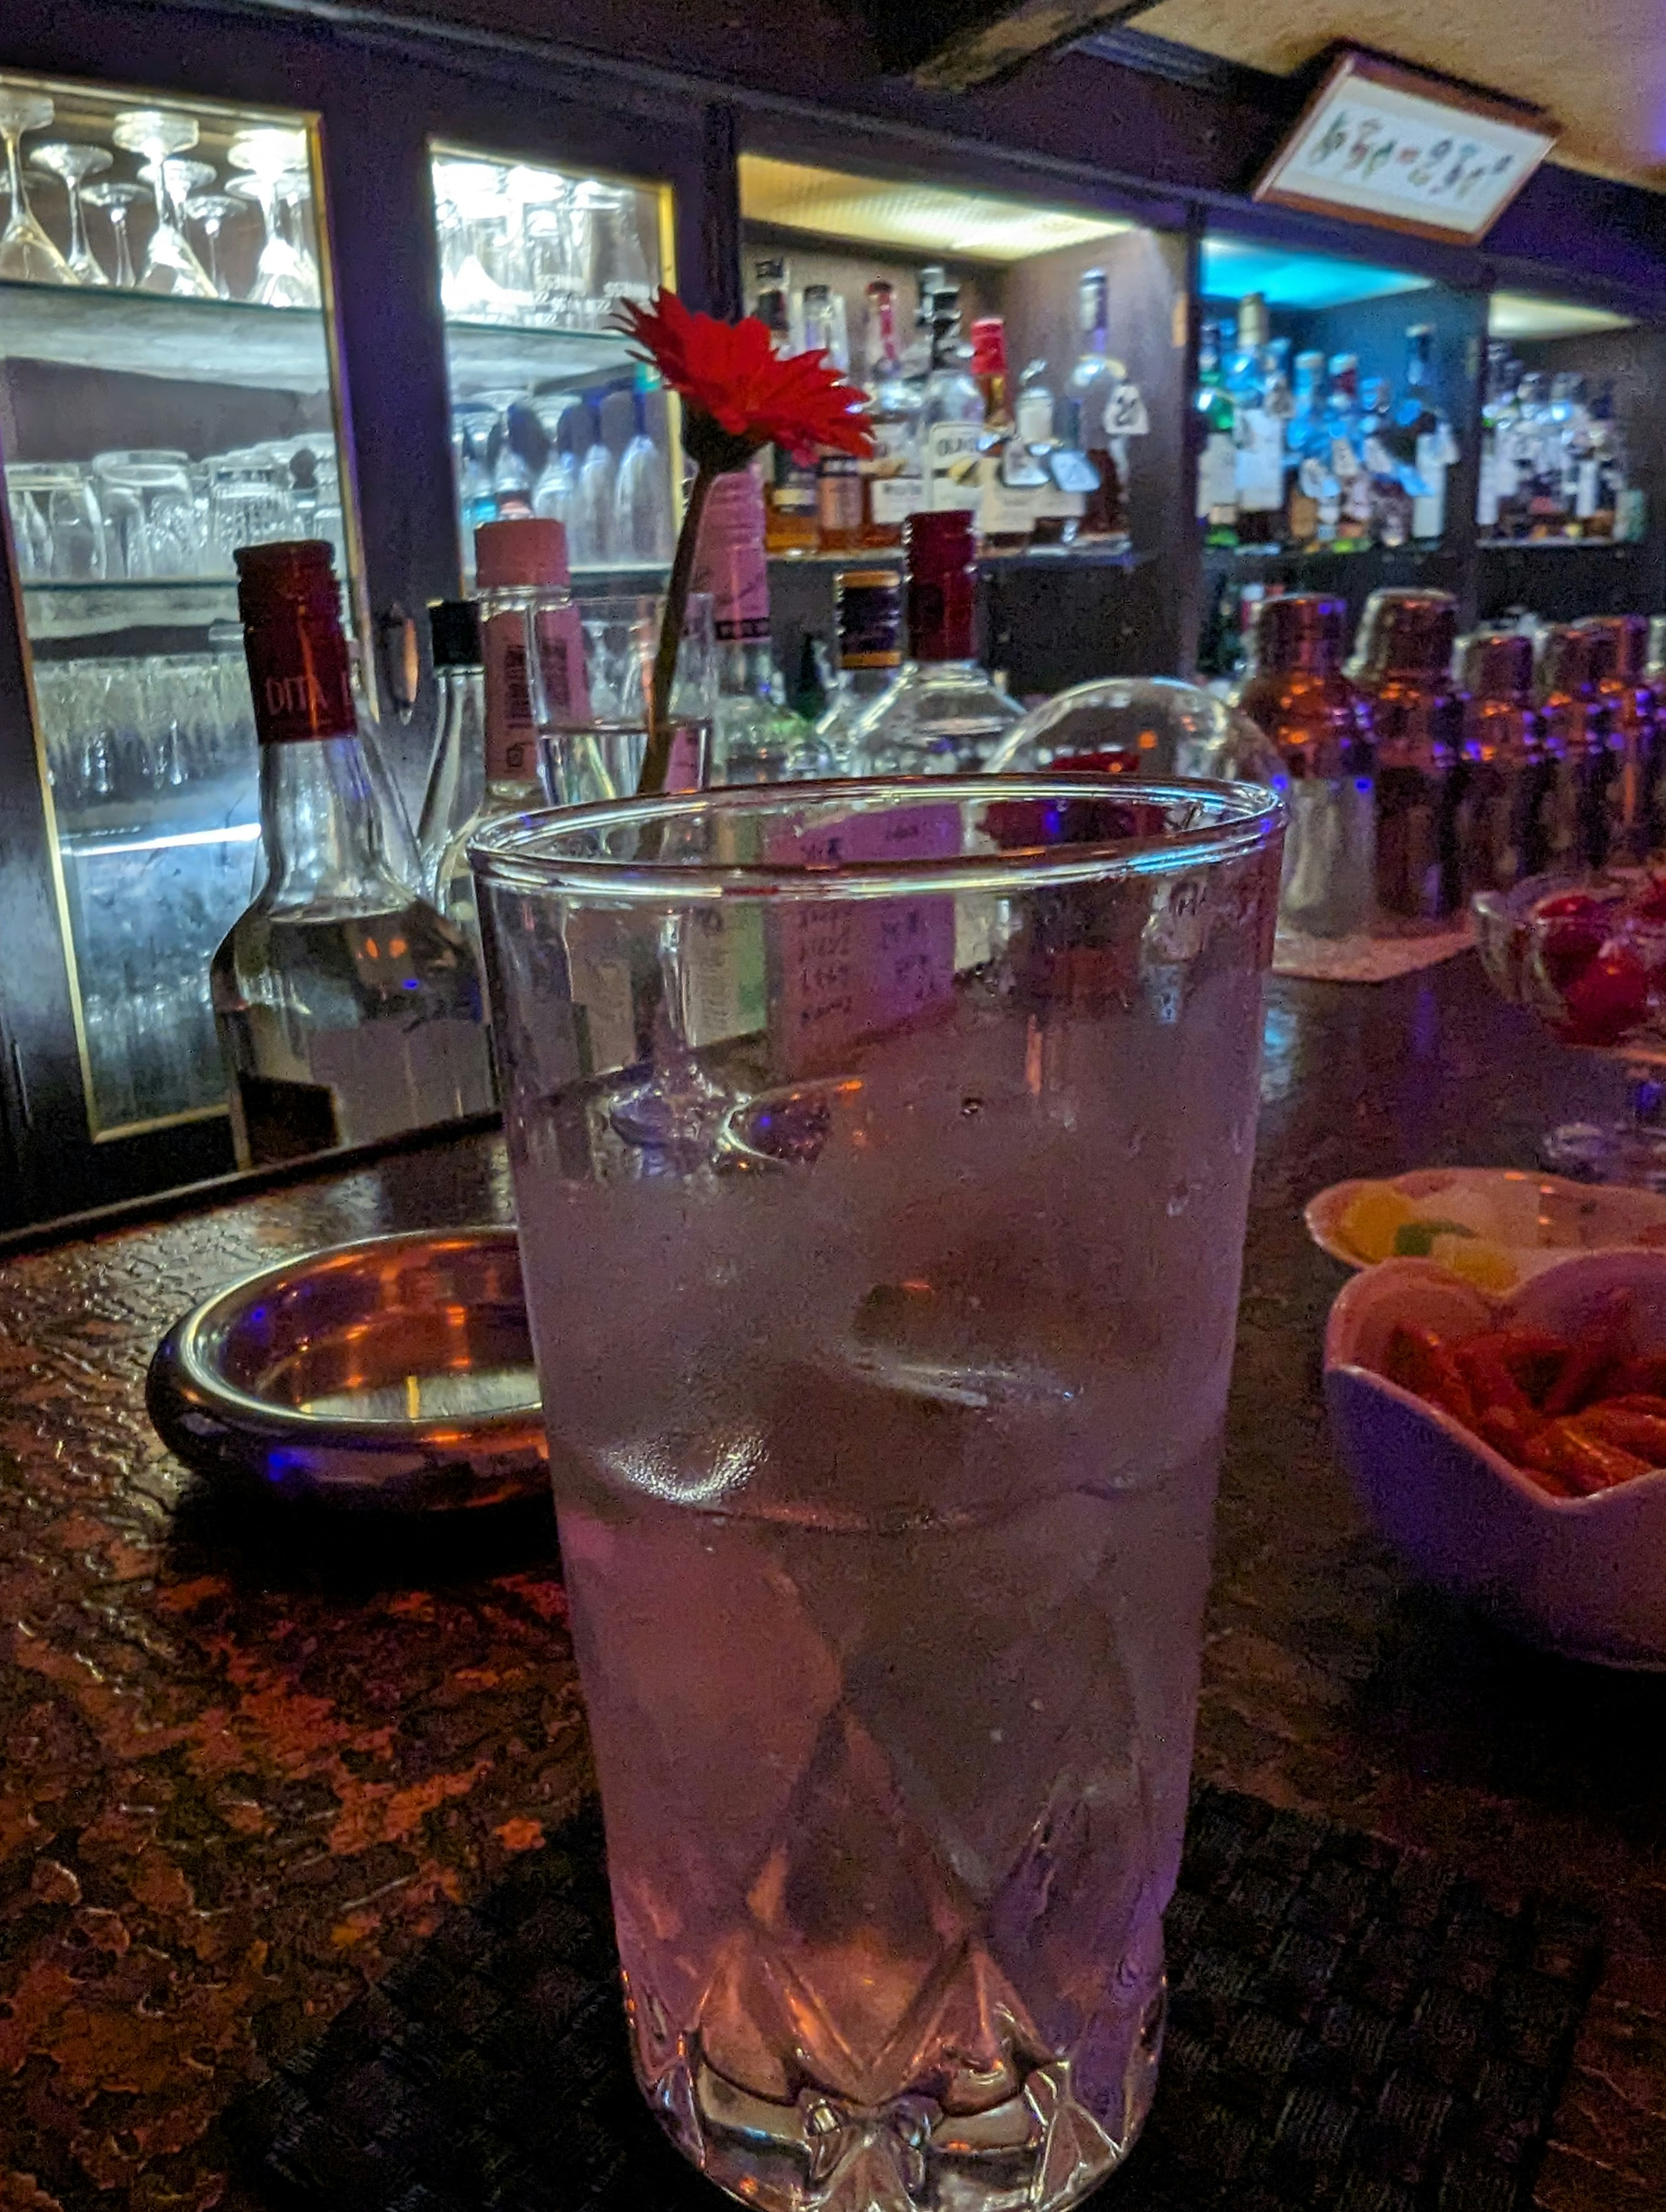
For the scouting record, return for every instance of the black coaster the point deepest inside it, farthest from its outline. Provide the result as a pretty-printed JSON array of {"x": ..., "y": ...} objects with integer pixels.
[{"x": 1351, "y": 2027}]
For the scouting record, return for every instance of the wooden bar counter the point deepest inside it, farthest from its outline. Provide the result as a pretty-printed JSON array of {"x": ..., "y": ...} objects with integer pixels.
[{"x": 243, "y": 1772}]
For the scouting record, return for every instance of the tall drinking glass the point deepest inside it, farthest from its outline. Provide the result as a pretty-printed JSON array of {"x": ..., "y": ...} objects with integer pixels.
[{"x": 886, "y": 1423}]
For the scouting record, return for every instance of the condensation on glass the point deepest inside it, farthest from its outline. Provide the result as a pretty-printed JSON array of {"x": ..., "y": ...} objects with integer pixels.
[
  {"x": 549, "y": 414},
  {"x": 167, "y": 393}
]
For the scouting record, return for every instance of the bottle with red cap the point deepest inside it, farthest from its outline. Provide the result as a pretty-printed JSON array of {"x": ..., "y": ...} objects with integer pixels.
[
  {"x": 944, "y": 714},
  {"x": 531, "y": 652},
  {"x": 348, "y": 1010}
]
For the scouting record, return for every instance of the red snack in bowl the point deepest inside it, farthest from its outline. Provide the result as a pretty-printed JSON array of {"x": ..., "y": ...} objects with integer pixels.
[
  {"x": 1599, "y": 1347},
  {"x": 1615, "y": 1424},
  {"x": 1482, "y": 1364},
  {"x": 1607, "y": 999},
  {"x": 1420, "y": 1362},
  {"x": 1586, "y": 1463},
  {"x": 1572, "y": 928}
]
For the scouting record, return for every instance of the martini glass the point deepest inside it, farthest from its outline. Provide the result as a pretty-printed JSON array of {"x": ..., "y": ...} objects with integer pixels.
[
  {"x": 170, "y": 266},
  {"x": 26, "y": 251},
  {"x": 295, "y": 194},
  {"x": 282, "y": 278},
  {"x": 72, "y": 165},
  {"x": 211, "y": 209},
  {"x": 115, "y": 197}
]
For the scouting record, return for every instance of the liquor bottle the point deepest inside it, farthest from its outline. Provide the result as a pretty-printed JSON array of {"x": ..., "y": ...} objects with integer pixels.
[
  {"x": 1390, "y": 478},
  {"x": 457, "y": 773},
  {"x": 1217, "y": 465},
  {"x": 1495, "y": 494},
  {"x": 1009, "y": 475},
  {"x": 838, "y": 475},
  {"x": 1305, "y": 461},
  {"x": 1538, "y": 462},
  {"x": 917, "y": 354},
  {"x": 347, "y": 1008},
  {"x": 890, "y": 478},
  {"x": 951, "y": 414},
  {"x": 755, "y": 738},
  {"x": 1434, "y": 448},
  {"x": 1604, "y": 490},
  {"x": 790, "y": 495},
  {"x": 1344, "y": 437},
  {"x": 534, "y": 683},
  {"x": 944, "y": 714},
  {"x": 1110, "y": 412},
  {"x": 868, "y": 607},
  {"x": 1258, "y": 429}
]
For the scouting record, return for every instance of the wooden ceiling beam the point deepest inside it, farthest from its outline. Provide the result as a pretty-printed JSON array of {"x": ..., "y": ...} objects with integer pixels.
[{"x": 954, "y": 45}]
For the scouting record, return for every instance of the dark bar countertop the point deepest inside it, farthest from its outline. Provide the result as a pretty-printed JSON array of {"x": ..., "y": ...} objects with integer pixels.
[{"x": 241, "y": 1777}]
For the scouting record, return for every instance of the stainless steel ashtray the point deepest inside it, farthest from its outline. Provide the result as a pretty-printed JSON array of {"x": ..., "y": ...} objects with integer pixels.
[{"x": 396, "y": 1373}]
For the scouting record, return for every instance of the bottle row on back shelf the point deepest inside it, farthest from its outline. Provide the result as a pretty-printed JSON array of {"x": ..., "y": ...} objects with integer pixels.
[
  {"x": 1306, "y": 456},
  {"x": 953, "y": 433}
]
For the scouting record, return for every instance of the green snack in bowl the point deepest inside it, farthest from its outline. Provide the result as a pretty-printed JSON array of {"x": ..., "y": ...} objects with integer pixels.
[{"x": 1415, "y": 1240}]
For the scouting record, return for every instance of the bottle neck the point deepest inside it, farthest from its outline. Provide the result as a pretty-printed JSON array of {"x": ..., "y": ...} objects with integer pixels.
[
  {"x": 320, "y": 824},
  {"x": 941, "y": 610}
]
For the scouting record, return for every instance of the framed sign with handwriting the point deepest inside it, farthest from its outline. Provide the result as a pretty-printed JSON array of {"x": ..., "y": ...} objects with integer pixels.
[{"x": 1407, "y": 150}]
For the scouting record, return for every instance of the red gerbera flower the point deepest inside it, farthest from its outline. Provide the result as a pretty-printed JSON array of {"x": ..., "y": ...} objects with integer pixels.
[{"x": 741, "y": 393}]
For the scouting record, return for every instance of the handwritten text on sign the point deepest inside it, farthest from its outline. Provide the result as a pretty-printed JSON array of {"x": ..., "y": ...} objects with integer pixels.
[{"x": 850, "y": 968}]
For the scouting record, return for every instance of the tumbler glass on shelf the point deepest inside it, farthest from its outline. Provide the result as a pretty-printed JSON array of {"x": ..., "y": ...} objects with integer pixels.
[
  {"x": 27, "y": 254},
  {"x": 1586, "y": 954},
  {"x": 155, "y": 133},
  {"x": 151, "y": 512},
  {"x": 72, "y": 165},
  {"x": 116, "y": 199},
  {"x": 893, "y": 1816}
]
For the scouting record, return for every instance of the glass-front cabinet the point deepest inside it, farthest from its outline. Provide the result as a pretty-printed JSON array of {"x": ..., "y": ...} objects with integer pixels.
[
  {"x": 167, "y": 393},
  {"x": 549, "y": 414}
]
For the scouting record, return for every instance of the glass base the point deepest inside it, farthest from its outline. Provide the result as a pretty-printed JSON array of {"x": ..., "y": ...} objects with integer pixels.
[
  {"x": 1607, "y": 1151},
  {"x": 679, "y": 1107},
  {"x": 941, "y": 2149}
]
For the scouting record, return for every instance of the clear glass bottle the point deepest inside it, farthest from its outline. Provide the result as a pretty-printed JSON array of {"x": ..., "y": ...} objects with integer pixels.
[
  {"x": 1306, "y": 459},
  {"x": 756, "y": 738},
  {"x": 1217, "y": 464},
  {"x": 347, "y": 1008},
  {"x": 1097, "y": 383},
  {"x": 1345, "y": 436},
  {"x": 457, "y": 773},
  {"x": 890, "y": 478},
  {"x": 790, "y": 491},
  {"x": 945, "y": 713},
  {"x": 1495, "y": 492},
  {"x": 951, "y": 414},
  {"x": 868, "y": 606},
  {"x": 1434, "y": 448},
  {"x": 1258, "y": 430},
  {"x": 838, "y": 475}
]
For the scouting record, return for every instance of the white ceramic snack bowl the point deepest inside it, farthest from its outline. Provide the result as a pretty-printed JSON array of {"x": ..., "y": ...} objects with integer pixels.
[{"x": 1585, "y": 1576}]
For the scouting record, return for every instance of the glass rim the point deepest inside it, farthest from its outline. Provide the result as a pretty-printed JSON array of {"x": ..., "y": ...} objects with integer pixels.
[{"x": 526, "y": 851}]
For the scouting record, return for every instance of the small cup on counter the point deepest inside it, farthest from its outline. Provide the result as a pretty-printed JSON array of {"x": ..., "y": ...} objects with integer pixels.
[
  {"x": 1402, "y": 666},
  {"x": 1510, "y": 783},
  {"x": 1620, "y": 663},
  {"x": 1319, "y": 725}
]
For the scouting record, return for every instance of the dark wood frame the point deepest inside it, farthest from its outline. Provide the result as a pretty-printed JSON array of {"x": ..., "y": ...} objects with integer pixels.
[{"x": 1357, "y": 62}]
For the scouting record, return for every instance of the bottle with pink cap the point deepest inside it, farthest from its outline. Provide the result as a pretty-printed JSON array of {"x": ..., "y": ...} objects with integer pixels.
[{"x": 533, "y": 654}]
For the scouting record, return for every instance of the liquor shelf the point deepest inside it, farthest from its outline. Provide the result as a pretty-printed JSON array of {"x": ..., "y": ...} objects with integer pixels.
[{"x": 491, "y": 356}]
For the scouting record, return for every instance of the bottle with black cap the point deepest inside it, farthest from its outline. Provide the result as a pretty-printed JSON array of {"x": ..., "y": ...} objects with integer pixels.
[
  {"x": 456, "y": 774},
  {"x": 347, "y": 1008}
]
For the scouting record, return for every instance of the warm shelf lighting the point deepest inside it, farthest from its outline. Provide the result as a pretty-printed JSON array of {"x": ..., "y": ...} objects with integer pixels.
[
  {"x": 927, "y": 219},
  {"x": 1519, "y": 315}
]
